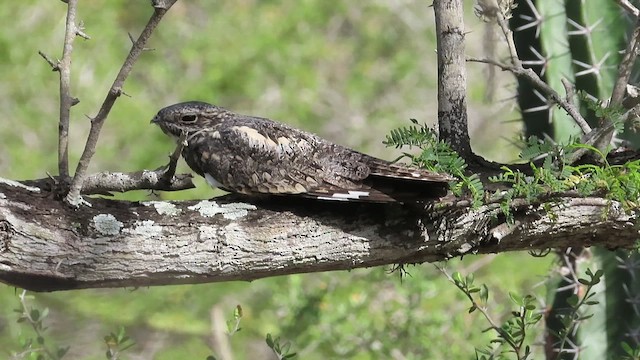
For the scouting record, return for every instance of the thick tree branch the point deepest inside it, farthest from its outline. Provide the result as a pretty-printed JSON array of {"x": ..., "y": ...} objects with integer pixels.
[
  {"x": 160, "y": 8},
  {"x": 46, "y": 246}
]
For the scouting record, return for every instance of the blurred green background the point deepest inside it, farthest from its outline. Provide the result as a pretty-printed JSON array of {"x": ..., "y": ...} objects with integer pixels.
[{"x": 349, "y": 71}]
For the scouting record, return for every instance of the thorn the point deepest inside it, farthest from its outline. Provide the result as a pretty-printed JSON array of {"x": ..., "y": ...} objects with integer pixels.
[
  {"x": 75, "y": 101},
  {"x": 55, "y": 65},
  {"x": 591, "y": 69},
  {"x": 541, "y": 60},
  {"x": 536, "y": 20},
  {"x": 80, "y": 31},
  {"x": 581, "y": 29},
  {"x": 133, "y": 41}
]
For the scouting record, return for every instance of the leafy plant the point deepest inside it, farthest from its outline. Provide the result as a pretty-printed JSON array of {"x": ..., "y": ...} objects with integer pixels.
[
  {"x": 36, "y": 346},
  {"x": 117, "y": 343},
  {"x": 437, "y": 156},
  {"x": 512, "y": 334},
  {"x": 280, "y": 349}
]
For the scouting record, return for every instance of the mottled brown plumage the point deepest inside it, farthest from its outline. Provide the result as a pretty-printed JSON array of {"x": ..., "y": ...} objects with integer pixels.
[{"x": 252, "y": 155}]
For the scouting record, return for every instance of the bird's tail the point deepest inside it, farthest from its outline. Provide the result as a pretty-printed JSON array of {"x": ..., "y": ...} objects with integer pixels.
[{"x": 389, "y": 182}]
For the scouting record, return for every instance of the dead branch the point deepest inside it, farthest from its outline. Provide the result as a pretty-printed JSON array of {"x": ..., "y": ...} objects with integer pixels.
[
  {"x": 103, "y": 183},
  {"x": 66, "y": 100},
  {"x": 625, "y": 67},
  {"x": 47, "y": 246},
  {"x": 160, "y": 9}
]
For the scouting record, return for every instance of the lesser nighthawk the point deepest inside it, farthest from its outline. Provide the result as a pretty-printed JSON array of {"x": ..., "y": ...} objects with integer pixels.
[{"x": 252, "y": 155}]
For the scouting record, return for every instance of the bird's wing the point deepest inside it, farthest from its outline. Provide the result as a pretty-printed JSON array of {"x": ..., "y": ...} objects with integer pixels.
[
  {"x": 278, "y": 159},
  {"x": 254, "y": 155}
]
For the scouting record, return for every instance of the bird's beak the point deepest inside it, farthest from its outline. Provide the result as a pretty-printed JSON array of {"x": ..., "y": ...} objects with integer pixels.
[{"x": 155, "y": 120}]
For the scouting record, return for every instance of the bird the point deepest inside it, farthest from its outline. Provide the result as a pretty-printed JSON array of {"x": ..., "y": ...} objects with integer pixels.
[{"x": 257, "y": 156}]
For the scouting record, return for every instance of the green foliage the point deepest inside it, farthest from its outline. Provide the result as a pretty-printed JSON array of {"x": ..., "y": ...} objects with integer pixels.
[
  {"x": 281, "y": 350},
  {"x": 514, "y": 332},
  {"x": 117, "y": 343},
  {"x": 513, "y": 337},
  {"x": 576, "y": 311},
  {"x": 630, "y": 353},
  {"x": 233, "y": 326},
  {"x": 615, "y": 182},
  {"x": 35, "y": 346},
  {"x": 437, "y": 156}
]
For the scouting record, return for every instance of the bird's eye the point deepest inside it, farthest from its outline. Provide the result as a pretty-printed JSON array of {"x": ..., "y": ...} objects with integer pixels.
[{"x": 189, "y": 118}]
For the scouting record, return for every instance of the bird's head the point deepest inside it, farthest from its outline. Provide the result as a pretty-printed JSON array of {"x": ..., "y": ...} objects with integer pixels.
[{"x": 189, "y": 117}]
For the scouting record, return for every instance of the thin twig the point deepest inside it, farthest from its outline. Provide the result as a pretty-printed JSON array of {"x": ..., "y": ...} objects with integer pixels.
[
  {"x": 173, "y": 159},
  {"x": 626, "y": 65},
  {"x": 66, "y": 100},
  {"x": 482, "y": 310},
  {"x": 80, "y": 31},
  {"x": 54, "y": 64},
  {"x": 508, "y": 35},
  {"x": 517, "y": 69},
  {"x": 73, "y": 197},
  {"x": 625, "y": 4},
  {"x": 103, "y": 183},
  {"x": 570, "y": 90},
  {"x": 537, "y": 82},
  {"x": 35, "y": 325}
]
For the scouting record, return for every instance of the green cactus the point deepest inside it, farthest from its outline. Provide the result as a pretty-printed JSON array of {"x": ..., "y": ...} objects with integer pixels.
[{"x": 580, "y": 41}]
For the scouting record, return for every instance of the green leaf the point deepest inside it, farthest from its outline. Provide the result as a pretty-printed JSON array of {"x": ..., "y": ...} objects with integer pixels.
[
  {"x": 516, "y": 299},
  {"x": 62, "y": 351},
  {"x": 34, "y": 314},
  {"x": 469, "y": 279},
  {"x": 457, "y": 277},
  {"x": 484, "y": 293}
]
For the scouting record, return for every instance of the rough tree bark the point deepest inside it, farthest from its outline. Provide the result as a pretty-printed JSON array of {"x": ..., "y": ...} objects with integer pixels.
[{"x": 45, "y": 245}]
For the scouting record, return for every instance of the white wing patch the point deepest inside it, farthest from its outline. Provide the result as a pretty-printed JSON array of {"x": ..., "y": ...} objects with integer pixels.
[
  {"x": 351, "y": 195},
  {"x": 255, "y": 138},
  {"x": 281, "y": 145}
]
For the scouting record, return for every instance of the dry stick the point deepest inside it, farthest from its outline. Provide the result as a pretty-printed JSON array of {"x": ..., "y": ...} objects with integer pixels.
[
  {"x": 602, "y": 137},
  {"x": 173, "y": 159},
  {"x": 518, "y": 70},
  {"x": 626, "y": 65},
  {"x": 54, "y": 64},
  {"x": 535, "y": 80},
  {"x": 73, "y": 197},
  {"x": 66, "y": 101},
  {"x": 625, "y": 4}
]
